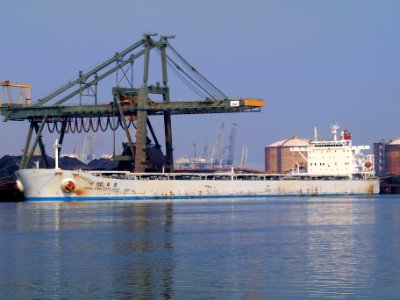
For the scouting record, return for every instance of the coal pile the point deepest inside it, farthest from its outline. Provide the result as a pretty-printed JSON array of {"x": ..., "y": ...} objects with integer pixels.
[
  {"x": 9, "y": 164},
  {"x": 102, "y": 164},
  {"x": 69, "y": 163},
  {"x": 8, "y": 188}
]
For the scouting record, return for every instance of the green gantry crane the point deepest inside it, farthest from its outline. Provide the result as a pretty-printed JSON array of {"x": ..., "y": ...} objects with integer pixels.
[{"x": 131, "y": 106}]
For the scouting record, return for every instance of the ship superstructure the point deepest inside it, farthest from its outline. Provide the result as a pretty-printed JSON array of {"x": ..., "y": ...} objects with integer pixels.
[{"x": 336, "y": 157}]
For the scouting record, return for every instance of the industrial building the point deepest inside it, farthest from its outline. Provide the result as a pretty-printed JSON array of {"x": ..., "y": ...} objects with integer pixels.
[
  {"x": 387, "y": 157},
  {"x": 279, "y": 159},
  {"x": 387, "y": 165}
]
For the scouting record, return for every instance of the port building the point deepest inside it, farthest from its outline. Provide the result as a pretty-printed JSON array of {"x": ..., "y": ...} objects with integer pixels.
[
  {"x": 387, "y": 157},
  {"x": 279, "y": 159}
]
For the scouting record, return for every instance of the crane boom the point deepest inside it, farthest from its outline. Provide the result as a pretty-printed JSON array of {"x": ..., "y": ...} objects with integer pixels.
[{"x": 129, "y": 103}]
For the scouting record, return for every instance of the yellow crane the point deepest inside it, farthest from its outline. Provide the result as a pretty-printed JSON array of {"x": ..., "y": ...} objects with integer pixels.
[{"x": 24, "y": 89}]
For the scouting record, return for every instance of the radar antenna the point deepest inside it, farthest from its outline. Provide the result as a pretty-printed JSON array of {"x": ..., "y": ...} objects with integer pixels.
[{"x": 334, "y": 129}]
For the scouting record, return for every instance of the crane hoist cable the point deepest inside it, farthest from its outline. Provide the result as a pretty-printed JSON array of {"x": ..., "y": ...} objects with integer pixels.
[
  {"x": 204, "y": 83},
  {"x": 200, "y": 80},
  {"x": 190, "y": 81},
  {"x": 203, "y": 78},
  {"x": 189, "y": 84},
  {"x": 179, "y": 68}
]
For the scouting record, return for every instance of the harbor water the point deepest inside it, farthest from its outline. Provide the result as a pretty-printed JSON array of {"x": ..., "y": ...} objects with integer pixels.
[{"x": 272, "y": 248}]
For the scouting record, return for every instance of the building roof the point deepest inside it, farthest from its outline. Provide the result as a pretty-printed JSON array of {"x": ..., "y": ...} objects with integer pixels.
[
  {"x": 395, "y": 141},
  {"x": 292, "y": 141}
]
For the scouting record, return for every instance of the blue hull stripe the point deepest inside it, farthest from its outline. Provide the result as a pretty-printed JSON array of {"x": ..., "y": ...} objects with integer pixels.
[{"x": 149, "y": 198}]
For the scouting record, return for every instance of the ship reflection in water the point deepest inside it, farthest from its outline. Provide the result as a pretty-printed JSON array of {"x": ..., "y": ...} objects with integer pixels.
[
  {"x": 81, "y": 250},
  {"x": 228, "y": 249}
]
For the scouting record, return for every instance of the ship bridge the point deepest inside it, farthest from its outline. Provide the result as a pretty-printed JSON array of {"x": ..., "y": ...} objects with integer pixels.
[{"x": 77, "y": 106}]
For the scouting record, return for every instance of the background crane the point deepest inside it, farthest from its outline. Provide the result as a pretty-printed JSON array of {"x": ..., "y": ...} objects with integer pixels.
[
  {"x": 230, "y": 153},
  {"x": 25, "y": 89}
]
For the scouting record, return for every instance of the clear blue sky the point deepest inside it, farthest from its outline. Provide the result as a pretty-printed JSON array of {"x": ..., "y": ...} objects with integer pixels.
[{"x": 314, "y": 62}]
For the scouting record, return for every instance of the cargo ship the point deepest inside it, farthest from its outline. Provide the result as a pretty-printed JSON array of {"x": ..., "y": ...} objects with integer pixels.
[{"x": 334, "y": 167}]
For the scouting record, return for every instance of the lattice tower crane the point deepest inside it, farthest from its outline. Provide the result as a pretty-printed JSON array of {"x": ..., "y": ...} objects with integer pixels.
[{"x": 231, "y": 147}]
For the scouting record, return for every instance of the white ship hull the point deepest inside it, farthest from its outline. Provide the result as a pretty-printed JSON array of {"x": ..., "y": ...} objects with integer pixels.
[{"x": 62, "y": 185}]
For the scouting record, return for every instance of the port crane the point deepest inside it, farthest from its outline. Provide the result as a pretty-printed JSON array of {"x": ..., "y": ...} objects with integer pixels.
[
  {"x": 131, "y": 105},
  {"x": 231, "y": 147},
  {"x": 25, "y": 89}
]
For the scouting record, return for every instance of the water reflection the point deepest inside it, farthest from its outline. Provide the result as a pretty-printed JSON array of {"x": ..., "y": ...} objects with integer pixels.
[
  {"x": 339, "y": 248},
  {"x": 247, "y": 249},
  {"x": 81, "y": 250},
  {"x": 144, "y": 242}
]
